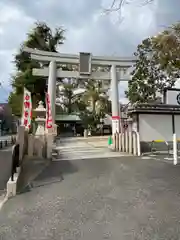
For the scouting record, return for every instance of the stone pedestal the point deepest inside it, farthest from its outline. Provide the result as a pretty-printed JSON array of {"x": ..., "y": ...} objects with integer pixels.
[
  {"x": 39, "y": 143},
  {"x": 85, "y": 133},
  {"x": 51, "y": 133}
]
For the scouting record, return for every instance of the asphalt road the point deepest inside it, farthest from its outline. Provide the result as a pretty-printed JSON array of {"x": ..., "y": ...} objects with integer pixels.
[
  {"x": 126, "y": 198},
  {"x": 5, "y": 167}
]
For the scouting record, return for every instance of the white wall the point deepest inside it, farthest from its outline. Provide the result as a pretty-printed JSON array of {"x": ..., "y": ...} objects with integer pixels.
[
  {"x": 177, "y": 125},
  {"x": 155, "y": 127},
  {"x": 171, "y": 97}
]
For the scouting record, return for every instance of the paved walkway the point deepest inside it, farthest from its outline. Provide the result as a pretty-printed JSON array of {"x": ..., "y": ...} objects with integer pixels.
[
  {"x": 82, "y": 148},
  {"x": 126, "y": 198}
]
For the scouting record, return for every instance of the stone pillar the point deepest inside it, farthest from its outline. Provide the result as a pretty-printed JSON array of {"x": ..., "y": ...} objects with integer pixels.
[
  {"x": 120, "y": 142},
  {"x": 126, "y": 141},
  {"x": 39, "y": 141},
  {"x": 130, "y": 142},
  {"x": 117, "y": 141},
  {"x": 52, "y": 88},
  {"x": 123, "y": 142},
  {"x": 30, "y": 145},
  {"x": 134, "y": 144},
  {"x": 114, "y": 100}
]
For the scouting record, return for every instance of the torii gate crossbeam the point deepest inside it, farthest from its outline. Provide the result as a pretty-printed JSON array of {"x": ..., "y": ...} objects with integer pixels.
[{"x": 85, "y": 61}]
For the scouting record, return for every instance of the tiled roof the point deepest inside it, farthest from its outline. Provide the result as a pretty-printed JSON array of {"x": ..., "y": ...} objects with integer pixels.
[
  {"x": 145, "y": 107},
  {"x": 67, "y": 117}
]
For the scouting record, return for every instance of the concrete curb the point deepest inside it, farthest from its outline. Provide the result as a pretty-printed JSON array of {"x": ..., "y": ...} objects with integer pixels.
[
  {"x": 2, "y": 202},
  {"x": 12, "y": 185},
  {"x": 11, "y": 188}
]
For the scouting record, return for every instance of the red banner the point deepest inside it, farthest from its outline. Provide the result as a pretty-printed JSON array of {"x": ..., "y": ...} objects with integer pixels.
[{"x": 48, "y": 112}]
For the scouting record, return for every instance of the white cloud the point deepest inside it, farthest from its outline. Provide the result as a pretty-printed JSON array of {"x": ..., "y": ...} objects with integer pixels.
[
  {"x": 8, "y": 14},
  {"x": 13, "y": 24},
  {"x": 13, "y": 28},
  {"x": 87, "y": 28}
]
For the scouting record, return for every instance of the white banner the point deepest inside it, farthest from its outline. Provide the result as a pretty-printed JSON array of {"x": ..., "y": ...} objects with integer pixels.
[{"x": 27, "y": 109}]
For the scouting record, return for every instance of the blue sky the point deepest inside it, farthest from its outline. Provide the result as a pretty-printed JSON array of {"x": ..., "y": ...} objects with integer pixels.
[{"x": 87, "y": 29}]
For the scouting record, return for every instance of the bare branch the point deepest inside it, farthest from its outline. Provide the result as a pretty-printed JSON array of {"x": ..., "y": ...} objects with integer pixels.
[
  {"x": 116, "y": 5},
  {"x": 145, "y": 2},
  {"x": 113, "y": 3}
]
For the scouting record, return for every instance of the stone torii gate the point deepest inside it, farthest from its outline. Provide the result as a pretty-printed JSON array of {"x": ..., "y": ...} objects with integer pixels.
[{"x": 114, "y": 69}]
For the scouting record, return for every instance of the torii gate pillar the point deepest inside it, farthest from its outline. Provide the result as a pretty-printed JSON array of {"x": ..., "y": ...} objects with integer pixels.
[
  {"x": 115, "y": 100},
  {"x": 52, "y": 88}
]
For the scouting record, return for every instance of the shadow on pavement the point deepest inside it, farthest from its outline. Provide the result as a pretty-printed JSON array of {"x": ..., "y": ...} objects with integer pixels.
[{"x": 54, "y": 172}]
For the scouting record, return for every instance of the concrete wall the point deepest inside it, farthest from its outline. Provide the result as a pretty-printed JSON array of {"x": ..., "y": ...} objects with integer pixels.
[
  {"x": 158, "y": 128},
  {"x": 155, "y": 127},
  {"x": 177, "y": 126}
]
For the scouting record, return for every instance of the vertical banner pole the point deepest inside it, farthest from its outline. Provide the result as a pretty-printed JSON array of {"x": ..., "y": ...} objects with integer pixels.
[{"x": 175, "y": 159}]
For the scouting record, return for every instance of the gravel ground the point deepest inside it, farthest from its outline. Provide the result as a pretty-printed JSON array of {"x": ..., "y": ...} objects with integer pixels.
[{"x": 125, "y": 198}]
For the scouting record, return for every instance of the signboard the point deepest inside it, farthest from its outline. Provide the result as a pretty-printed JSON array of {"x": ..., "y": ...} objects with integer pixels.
[
  {"x": 85, "y": 63},
  {"x": 172, "y": 96},
  {"x": 27, "y": 109},
  {"x": 115, "y": 124},
  {"x": 178, "y": 98}
]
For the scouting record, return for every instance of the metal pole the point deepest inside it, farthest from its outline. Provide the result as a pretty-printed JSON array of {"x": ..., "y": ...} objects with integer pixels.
[{"x": 175, "y": 159}]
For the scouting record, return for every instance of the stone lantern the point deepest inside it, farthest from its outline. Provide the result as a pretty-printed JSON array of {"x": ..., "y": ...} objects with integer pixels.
[
  {"x": 39, "y": 142},
  {"x": 40, "y": 119}
]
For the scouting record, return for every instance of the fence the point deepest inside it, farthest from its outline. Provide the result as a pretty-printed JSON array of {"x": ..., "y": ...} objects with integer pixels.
[
  {"x": 7, "y": 142},
  {"x": 128, "y": 142},
  {"x": 161, "y": 147}
]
